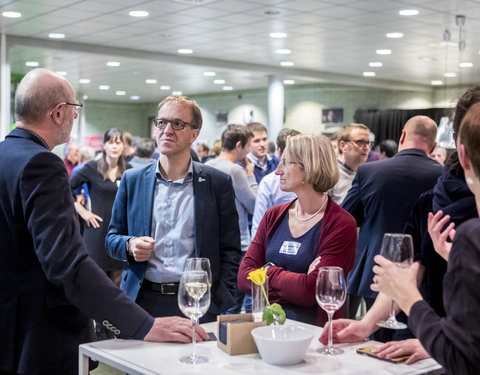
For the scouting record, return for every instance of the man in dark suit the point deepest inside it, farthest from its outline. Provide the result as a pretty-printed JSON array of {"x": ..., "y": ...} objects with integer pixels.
[
  {"x": 49, "y": 285},
  {"x": 382, "y": 196},
  {"x": 172, "y": 210}
]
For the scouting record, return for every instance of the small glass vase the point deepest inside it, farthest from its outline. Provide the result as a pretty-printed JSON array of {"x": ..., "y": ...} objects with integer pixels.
[{"x": 258, "y": 300}]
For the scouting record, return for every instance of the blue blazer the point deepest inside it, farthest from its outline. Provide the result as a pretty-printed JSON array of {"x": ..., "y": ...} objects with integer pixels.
[
  {"x": 381, "y": 197},
  {"x": 217, "y": 235},
  {"x": 50, "y": 287}
]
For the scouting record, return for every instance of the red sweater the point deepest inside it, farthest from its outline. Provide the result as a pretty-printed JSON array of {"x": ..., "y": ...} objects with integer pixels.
[{"x": 336, "y": 246}]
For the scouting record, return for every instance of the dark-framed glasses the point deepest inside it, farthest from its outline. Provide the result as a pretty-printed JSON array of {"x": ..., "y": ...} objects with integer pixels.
[
  {"x": 77, "y": 107},
  {"x": 161, "y": 123},
  {"x": 361, "y": 142}
]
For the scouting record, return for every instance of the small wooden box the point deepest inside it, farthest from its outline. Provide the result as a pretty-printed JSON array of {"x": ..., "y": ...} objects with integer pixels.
[{"x": 233, "y": 333}]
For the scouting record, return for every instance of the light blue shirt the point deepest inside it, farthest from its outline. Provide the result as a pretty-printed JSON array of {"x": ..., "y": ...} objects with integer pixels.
[{"x": 173, "y": 227}]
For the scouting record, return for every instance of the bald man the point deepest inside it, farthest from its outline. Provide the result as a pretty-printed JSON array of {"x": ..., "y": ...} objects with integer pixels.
[
  {"x": 50, "y": 287},
  {"x": 382, "y": 196}
]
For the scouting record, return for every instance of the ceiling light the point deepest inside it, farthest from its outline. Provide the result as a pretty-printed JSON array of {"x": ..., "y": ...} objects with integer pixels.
[
  {"x": 120, "y": 92},
  {"x": 227, "y": 88},
  {"x": 151, "y": 81},
  {"x": 209, "y": 74},
  {"x": 287, "y": 63},
  {"x": 449, "y": 75},
  {"x": 465, "y": 65},
  {"x": 138, "y": 13},
  {"x": 85, "y": 97},
  {"x": 134, "y": 97},
  {"x": 288, "y": 82},
  {"x": 408, "y": 12},
  {"x": 113, "y": 63},
  {"x": 427, "y": 58},
  {"x": 383, "y": 51},
  {"x": 32, "y": 63},
  {"x": 12, "y": 14},
  {"x": 375, "y": 64},
  {"x": 284, "y": 51},
  {"x": 177, "y": 93},
  {"x": 104, "y": 87},
  {"x": 165, "y": 87},
  {"x": 394, "y": 35},
  {"x": 185, "y": 50},
  {"x": 369, "y": 74},
  {"x": 219, "y": 81},
  {"x": 61, "y": 73},
  {"x": 56, "y": 36},
  {"x": 437, "y": 83},
  {"x": 84, "y": 80},
  {"x": 278, "y": 35}
]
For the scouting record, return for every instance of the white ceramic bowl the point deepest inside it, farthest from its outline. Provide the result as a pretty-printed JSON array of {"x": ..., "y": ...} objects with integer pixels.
[{"x": 282, "y": 345}]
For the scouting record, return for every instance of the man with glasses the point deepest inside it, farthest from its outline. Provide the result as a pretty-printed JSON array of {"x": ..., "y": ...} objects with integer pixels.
[
  {"x": 354, "y": 144},
  {"x": 172, "y": 210},
  {"x": 381, "y": 198},
  {"x": 49, "y": 285}
]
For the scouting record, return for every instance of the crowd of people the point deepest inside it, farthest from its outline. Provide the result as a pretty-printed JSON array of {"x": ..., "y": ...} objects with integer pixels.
[{"x": 93, "y": 247}]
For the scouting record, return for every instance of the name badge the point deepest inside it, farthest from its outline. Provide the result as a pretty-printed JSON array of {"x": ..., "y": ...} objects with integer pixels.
[{"x": 290, "y": 247}]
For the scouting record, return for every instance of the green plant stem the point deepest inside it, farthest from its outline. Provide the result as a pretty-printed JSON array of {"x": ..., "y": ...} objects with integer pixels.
[{"x": 265, "y": 294}]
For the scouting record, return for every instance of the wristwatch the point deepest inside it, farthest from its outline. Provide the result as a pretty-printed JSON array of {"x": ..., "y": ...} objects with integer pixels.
[{"x": 268, "y": 265}]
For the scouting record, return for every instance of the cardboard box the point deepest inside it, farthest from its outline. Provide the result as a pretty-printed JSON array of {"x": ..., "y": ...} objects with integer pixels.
[{"x": 233, "y": 333}]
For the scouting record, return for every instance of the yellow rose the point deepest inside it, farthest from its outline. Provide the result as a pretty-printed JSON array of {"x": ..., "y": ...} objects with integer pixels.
[{"x": 258, "y": 276}]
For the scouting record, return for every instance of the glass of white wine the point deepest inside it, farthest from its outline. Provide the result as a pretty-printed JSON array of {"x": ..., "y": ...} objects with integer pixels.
[
  {"x": 398, "y": 248},
  {"x": 199, "y": 264},
  {"x": 194, "y": 301}
]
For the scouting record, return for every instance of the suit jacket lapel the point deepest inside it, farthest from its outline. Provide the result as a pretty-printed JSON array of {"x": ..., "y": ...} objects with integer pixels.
[
  {"x": 147, "y": 204},
  {"x": 201, "y": 184}
]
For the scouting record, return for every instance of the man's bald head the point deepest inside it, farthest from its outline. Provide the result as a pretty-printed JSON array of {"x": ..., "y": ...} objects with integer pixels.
[
  {"x": 418, "y": 130},
  {"x": 38, "y": 92}
]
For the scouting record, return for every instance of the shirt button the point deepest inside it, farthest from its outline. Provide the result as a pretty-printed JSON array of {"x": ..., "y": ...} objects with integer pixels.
[{"x": 168, "y": 243}]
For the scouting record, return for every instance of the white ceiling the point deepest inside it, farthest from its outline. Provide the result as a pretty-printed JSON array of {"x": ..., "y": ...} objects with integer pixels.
[{"x": 330, "y": 40}]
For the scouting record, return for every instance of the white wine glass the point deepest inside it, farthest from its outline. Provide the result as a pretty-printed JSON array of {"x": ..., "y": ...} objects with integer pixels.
[
  {"x": 194, "y": 301},
  {"x": 398, "y": 248},
  {"x": 330, "y": 292},
  {"x": 199, "y": 264}
]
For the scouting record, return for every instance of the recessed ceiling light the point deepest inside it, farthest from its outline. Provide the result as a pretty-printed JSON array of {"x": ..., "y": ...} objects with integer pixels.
[
  {"x": 113, "y": 63},
  {"x": 369, "y": 74},
  {"x": 375, "y": 64},
  {"x": 437, "y": 83},
  {"x": 287, "y": 63},
  {"x": 185, "y": 50},
  {"x": 104, "y": 87},
  {"x": 85, "y": 97},
  {"x": 32, "y": 63},
  {"x": 120, "y": 92},
  {"x": 465, "y": 65},
  {"x": 84, "y": 80},
  {"x": 284, "y": 51},
  {"x": 138, "y": 13},
  {"x": 165, "y": 87},
  {"x": 450, "y": 75},
  {"x": 12, "y": 14},
  {"x": 288, "y": 82},
  {"x": 278, "y": 35},
  {"x": 408, "y": 12},
  {"x": 56, "y": 35},
  {"x": 383, "y": 51},
  {"x": 177, "y": 93},
  {"x": 151, "y": 81},
  {"x": 134, "y": 97},
  {"x": 219, "y": 81},
  {"x": 227, "y": 88},
  {"x": 209, "y": 74},
  {"x": 427, "y": 58},
  {"x": 394, "y": 35},
  {"x": 61, "y": 73}
]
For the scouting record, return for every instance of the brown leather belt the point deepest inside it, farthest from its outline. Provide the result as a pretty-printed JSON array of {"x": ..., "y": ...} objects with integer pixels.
[{"x": 164, "y": 288}]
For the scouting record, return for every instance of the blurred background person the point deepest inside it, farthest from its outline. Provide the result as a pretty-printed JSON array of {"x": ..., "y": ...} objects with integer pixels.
[
  {"x": 439, "y": 155},
  {"x": 85, "y": 154},
  {"x": 387, "y": 148},
  {"x": 71, "y": 159},
  {"x": 144, "y": 149},
  {"x": 217, "y": 148},
  {"x": 128, "y": 147}
]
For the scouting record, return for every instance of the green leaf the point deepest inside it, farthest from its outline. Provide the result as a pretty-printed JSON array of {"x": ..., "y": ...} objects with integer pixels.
[{"x": 268, "y": 315}]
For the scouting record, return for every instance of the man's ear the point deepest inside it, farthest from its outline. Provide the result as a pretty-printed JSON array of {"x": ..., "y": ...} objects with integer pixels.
[
  {"x": 464, "y": 159},
  {"x": 432, "y": 148},
  {"x": 402, "y": 137},
  {"x": 238, "y": 145},
  {"x": 342, "y": 145}
]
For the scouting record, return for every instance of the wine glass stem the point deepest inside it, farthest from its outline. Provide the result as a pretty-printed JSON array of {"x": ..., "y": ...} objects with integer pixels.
[
  {"x": 392, "y": 312},
  {"x": 330, "y": 331}
]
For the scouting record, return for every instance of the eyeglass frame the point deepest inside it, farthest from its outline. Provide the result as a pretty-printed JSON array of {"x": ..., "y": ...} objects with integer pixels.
[
  {"x": 360, "y": 142},
  {"x": 174, "y": 123},
  {"x": 78, "y": 107},
  {"x": 284, "y": 163}
]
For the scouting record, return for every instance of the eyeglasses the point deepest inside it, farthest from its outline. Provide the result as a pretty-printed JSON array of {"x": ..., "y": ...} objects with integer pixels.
[
  {"x": 286, "y": 163},
  {"x": 161, "y": 124},
  {"x": 360, "y": 142},
  {"x": 77, "y": 109}
]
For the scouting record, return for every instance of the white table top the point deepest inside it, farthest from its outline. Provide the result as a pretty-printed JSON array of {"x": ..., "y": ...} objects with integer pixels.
[{"x": 146, "y": 358}]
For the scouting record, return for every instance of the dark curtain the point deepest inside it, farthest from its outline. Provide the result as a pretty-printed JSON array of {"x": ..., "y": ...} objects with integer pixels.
[{"x": 388, "y": 124}]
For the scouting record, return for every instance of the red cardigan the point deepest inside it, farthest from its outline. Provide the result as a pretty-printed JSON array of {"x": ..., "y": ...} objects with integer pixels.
[{"x": 336, "y": 246}]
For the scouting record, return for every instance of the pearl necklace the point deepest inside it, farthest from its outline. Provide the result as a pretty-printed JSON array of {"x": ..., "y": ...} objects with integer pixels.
[{"x": 311, "y": 216}]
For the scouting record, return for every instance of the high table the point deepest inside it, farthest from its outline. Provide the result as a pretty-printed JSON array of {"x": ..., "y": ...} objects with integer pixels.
[{"x": 146, "y": 358}]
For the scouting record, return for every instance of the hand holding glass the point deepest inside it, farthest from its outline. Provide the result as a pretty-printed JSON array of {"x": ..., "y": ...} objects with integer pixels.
[{"x": 398, "y": 248}]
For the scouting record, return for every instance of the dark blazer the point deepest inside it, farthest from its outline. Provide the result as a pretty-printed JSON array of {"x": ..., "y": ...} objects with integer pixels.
[
  {"x": 217, "y": 235},
  {"x": 381, "y": 197},
  {"x": 50, "y": 286}
]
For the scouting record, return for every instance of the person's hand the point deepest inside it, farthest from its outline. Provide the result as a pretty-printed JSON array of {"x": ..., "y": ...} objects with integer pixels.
[
  {"x": 91, "y": 219},
  {"x": 400, "y": 284},
  {"x": 142, "y": 248},
  {"x": 314, "y": 264},
  {"x": 248, "y": 165},
  {"x": 174, "y": 329},
  {"x": 81, "y": 199},
  {"x": 345, "y": 330},
  {"x": 411, "y": 347},
  {"x": 439, "y": 238}
]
